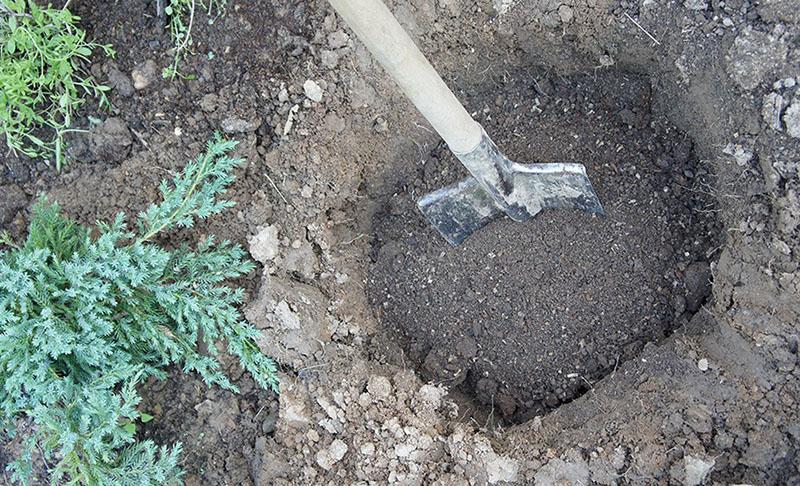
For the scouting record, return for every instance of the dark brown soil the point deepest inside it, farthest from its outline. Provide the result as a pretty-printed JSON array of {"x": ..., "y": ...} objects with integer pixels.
[
  {"x": 239, "y": 60},
  {"x": 528, "y": 316},
  {"x": 217, "y": 429},
  {"x": 522, "y": 317}
]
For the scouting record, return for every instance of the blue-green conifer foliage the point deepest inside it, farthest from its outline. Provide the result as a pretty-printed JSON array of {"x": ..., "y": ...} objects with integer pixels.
[{"x": 87, "y": 315}]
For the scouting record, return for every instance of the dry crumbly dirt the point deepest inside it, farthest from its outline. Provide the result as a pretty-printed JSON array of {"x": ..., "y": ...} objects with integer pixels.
[
  {"x": 527, "y": 316},
  {"x": 705, "y": 389}
]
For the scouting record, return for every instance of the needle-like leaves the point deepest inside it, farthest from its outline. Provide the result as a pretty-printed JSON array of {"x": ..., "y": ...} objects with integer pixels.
[{"x": 85, "y": 318}]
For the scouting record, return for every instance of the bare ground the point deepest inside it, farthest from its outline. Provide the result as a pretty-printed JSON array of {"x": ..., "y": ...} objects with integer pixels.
[{"x": 712, "y": 402}]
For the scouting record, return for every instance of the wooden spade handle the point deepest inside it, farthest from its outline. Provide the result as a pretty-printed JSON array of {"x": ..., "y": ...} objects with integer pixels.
[{"x": 377, "y": 28}]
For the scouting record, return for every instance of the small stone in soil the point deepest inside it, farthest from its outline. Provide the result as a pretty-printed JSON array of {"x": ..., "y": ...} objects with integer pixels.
[
  {"x": 286, "y": 316},
  {"x": 379, "y": 387},
  {"x": 144, "y": 74},
  {"x": 771, "y": 111},
  {"x": 120, "y": 82},
  {"x": 753, "y": 55},
  {"x": 742, "y": 155},
  {"x": 565, "y": 13},
  {"x": 329, "y": 59},
  {"x": 792, "y": 118},
  {"x": 326, "y": 458},
  {"x": 264, "y": 245},
  {"x": 239, "y": 125},
  {"x": 697, "y": 469},
  {"x": 312, "y": 91},
  {"x": 381, "y": 125},
  {"x": 338, "y": 39},
  {"x": 695, "y": 4}
]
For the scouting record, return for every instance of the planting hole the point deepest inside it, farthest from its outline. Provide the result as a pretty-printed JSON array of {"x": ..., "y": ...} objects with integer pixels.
[{"x": 526, "y": 316}]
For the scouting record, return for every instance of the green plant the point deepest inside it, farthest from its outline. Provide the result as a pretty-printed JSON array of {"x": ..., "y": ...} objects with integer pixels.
[
  {"x": 181, "y": 22},
  {"x": 84, "y": 317},
  {"x": 42, "y": 53}
]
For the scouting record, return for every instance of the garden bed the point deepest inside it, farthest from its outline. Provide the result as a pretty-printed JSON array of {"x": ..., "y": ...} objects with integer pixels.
[{"x": 570, "y": 347}]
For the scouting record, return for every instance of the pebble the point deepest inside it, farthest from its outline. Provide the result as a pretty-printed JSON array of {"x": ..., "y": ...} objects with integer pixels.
[
  {"x": 144, "y": 74},
  {"x": 338, "y": 39},
  {"x": 312, "y": 91},
  {"x": 120, "y": 82},
  {"x": 791, "y": 118},
  {"x": 696, "y": 470},
  {"x": 379, "y": 387},
  {"x": 565, "y": 13},
  {"x": 753, "y": 55},
  {"x": 695, "y": 4},
  {"x": 403, "y": 450},
  {"x": 742, "y": 155},
  {"x": 283, "y": 95},
  {"x": 240, "y": 125},
  {"x": 606, "y": 60},
  {"x": 781, "y": 246},
  {"x": 264, "y": 244},
  {"x": 329, "y": 58},
  {"x": 381, "y": 125},
  {"x": 771, "y": 110},
  {"x": 286, "y": 316},
  {"x": 326, "y": 458},
  {"x": 430, "y": 395},
  {"x": 702, "y": 365},
  {"x": 504, "y": 470}
]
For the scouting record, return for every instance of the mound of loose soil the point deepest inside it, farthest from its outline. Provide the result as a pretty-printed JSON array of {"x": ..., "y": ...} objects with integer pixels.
[{"x": 527, "y": 316}]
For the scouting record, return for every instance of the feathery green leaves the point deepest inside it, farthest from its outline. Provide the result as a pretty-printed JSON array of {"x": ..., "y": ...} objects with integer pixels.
[
  {"x": 83, "y": 319},
  {"x": 182, "y": 17},
  {"x": 42, "y": 53}
]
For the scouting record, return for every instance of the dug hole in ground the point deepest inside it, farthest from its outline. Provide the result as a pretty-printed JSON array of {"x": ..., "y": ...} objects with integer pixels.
[{"x": 657, "y": 345}]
